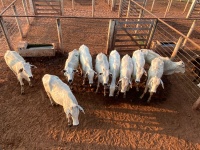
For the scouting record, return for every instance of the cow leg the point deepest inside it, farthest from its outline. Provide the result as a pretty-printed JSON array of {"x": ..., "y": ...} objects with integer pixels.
[
  {"x": 124, "y": 96},
  {"x": 22, "y": 85},
  {"x": 149, "y": 99},
  {"x": 145, "y": 90},
  {"x": 97, "y": 86},
  {"x": 104, "y": 90},
  {"x": 81, "y": 70},
  {"x": 119, "y": 88},
  {"x": 69, "y": 120},
  {"x": 137, "y": 87},
  {"x": 30, "y": 84},
  {"x": 50, "y": 98},
  {"x": 84, "y": 77}
]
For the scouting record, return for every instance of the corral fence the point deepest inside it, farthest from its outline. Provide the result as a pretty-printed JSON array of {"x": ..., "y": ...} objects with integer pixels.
[{"x": 96, "y": 34}]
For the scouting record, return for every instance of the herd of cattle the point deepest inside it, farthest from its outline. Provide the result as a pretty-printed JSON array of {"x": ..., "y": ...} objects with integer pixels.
[{"x": 122, "y": 71}]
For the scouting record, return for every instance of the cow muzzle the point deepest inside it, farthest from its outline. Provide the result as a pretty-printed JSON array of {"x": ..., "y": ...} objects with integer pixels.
[{"x": 70, "y": 81}]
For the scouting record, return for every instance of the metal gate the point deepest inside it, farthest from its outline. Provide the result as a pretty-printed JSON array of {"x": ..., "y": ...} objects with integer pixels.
[
  {"x": 47, "y": 7},
  {"x": 194, "y": 10},
  {"x": 127, "y": 8},
  {"x": 130, "y": 35}
]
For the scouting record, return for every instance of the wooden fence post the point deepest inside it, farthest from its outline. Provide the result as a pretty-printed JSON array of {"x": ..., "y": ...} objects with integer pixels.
[
  {"x": 168, "y": 7},
  {"x": 93, "y": 7},
  {"x": 60, "y": 39},
  {"x": 152, "y": 33},
  {"x": 152, "y": 5},
  {"x": 5, "y": 33},
  {"x": 25, "y": 10},
  {"x": 191, "y": 8},
  {"x": 111, "y": 31},
  {"x": 186, "y": 6},
  {"x": 17, "y": 20},
  {"x": 73, "y": 4},
  {"x": 120, "y": 8},
  {"x": 189, "y": 32},
  {"x": 178, "y": 44},
  {"x": 113, "y": 5},
  {"x": 62, "y": 7}
]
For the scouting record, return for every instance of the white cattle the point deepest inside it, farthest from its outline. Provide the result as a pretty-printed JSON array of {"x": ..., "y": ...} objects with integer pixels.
[
  {"x": 102, "y": 69},
  {"x": 60, "y": 93},
  {"x": 114, "y": 62},
  {"x": 155, "y": 73},
  {"x": 126, "y": 71},
  {"x": 170, "y": 67},
  {"x": 20, "y": 67},
  {"x": 138, "y": 66},
  {"x": 71, "y": 65},
  {"x": 86, "y": 64}
]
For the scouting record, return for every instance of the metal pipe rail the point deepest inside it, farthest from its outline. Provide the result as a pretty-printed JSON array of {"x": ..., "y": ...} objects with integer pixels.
[{"x": 7, "y": 8}]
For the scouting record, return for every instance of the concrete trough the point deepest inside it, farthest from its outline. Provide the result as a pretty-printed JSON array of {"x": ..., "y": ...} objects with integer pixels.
[{"x": 36, "y": 50}]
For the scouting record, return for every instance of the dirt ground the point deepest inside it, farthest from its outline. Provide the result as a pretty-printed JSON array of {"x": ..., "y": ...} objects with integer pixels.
[{"x": 30, "y": 122}]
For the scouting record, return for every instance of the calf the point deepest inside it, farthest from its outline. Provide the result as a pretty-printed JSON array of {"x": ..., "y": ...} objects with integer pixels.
[
  {"x": 102, "y": 69},
  {"x": 126, "y": 71},
  {"x": 114, "y": 63},
  {"x": 138, "y": 66},
  {"x": 86, "y": 64},
  {"x": 155, "y": 73},
  {"x": 71, "y": 65},
  {"x": 20, "y": 67},
  {"x": 60, "y": 93},
  {"x": 170, "y": 67}
]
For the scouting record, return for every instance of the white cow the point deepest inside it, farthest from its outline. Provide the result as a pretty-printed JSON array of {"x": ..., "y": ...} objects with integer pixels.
[
  {"x": 102, "y": 69},
  {"x": 155, "y": 73},
  {"x": 126, "y": 71},
  {"x": 114, "y": 62},
  {"x": 20, "y": 67},
  {"x": 71, "y": 65},
  {"x": 60, "y": 93},
  {"x": 138, "y": 66},
  {"x": 86, "y": 64},
  {"x": 170, "y": 67}
]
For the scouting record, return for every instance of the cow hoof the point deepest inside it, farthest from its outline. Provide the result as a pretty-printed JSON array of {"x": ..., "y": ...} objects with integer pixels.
[{"x": 69, "y": 125}]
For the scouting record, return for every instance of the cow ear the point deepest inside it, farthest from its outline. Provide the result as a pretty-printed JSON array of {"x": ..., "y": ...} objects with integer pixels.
[
  {"x": 81, "y": 108},
  {"x": 33, "y": 66},
  {"x": 162, "y": 83},
  {"x": 20, "y": 70},
  {"x": 100, "y": 73},
  {"x": 110, "y": 74}
]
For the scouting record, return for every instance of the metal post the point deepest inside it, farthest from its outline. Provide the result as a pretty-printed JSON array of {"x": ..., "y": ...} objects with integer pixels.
[
  {"x": 191, "y": 8},
  {"x": 113, "y": 5},
  {"x": 73, "y": 4},
  {"x": 62, "y": 7},
  {"x": 178, "y": 44},
  {"x": 60, "y": 39},
  {"x": 31, "y": 6},
  {"x": 17, "y": 20},
  {"x": 190, "y": 32},
  {"x": 168, "y": 7},
  {"x": 25, "y": 10},
  {"x": 5, "y": 33},
  {"x": 152, "y": 5},
  {"x": 152, "y": 33},
  {"x": 111, "y": 30},
  {"x": 186, "y": 6},
  {"x": 93, "y": 7}
]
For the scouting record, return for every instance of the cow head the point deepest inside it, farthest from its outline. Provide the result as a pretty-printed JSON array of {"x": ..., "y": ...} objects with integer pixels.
[
  {"x": 125, "y": 83},
  {"x": 73, "y": 111},
  {"x": 105, "y": 76},
  {"x": 90, "y": 73},
  {"x": 25, "y": 71},
  {"x": 112, "y": 88},
  {"x": 69, "y": 73},
  {"x": 180, "y": 67},
  {"x": 153, "y": 84},
  {"x": 140, "y": 71}
]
